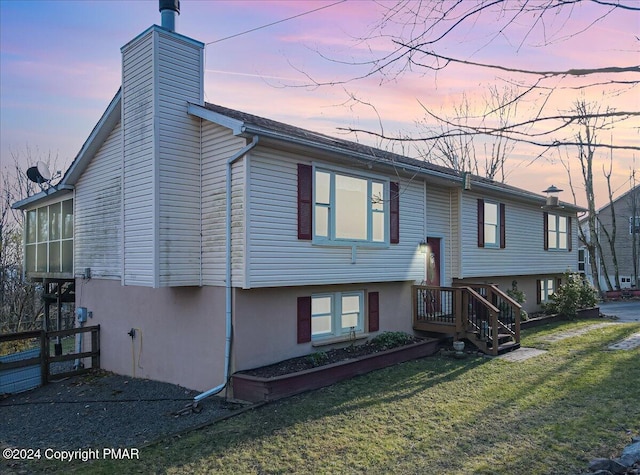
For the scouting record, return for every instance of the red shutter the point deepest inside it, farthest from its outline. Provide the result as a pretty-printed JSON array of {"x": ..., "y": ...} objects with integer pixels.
[
  {"x": 480, "y": 223},
  {"x": 569, "y": 234},
  {"x": 545, "y": 227},
  {"x": 374, "y": 311},
  {"x": 394, "y": 212},
  {"x": 503, "y": 229},
  {"x": 305, "y": 201},
  {"x": 538, "y": 293},
  {"x": 304, "y": 319}
]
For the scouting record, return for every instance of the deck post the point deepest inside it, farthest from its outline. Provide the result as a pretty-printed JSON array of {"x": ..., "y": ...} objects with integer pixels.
[{"x": 461, "y": 309}]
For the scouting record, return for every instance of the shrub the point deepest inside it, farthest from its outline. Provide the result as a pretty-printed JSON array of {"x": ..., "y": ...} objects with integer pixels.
[
  {"x": 388, "y": 340},
  {"x": 575, "y": 293},
  {"x": 318, "y": 358},
  {"x": 520, "y": 297}
]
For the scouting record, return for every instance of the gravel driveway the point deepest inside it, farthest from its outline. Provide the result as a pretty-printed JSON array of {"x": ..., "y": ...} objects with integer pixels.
[{"x": 101, "y": 410}]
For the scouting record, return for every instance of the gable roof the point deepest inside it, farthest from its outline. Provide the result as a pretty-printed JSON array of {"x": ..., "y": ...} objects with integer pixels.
[
  {"x": 246, "y": 124},
  {"x": 100, "y": 132},
  {"x": 635, "y": 189}
]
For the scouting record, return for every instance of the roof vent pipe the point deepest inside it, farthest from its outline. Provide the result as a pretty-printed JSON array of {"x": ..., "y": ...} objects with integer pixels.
[{"x": 169, "y": 11}]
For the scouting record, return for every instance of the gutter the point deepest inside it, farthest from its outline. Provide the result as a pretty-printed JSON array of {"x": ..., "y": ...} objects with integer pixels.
[
  {"x": 527, "y": 196},
  {"x": 52, "y": 192},
  {"x": 228, "y": 310}
]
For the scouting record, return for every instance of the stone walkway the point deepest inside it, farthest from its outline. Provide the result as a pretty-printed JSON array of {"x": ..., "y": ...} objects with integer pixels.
[
  {"x": 628, "y": 343},
  {"x": 522, "y": 354},
  {"x": 571, "y": 333}
]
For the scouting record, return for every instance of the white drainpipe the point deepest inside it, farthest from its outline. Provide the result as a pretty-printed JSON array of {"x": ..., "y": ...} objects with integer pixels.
[{"x": 228, "y": 312}]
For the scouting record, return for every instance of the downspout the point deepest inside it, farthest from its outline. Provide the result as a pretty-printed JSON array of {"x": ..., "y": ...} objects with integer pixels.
[{"x": 228, "y": 311}]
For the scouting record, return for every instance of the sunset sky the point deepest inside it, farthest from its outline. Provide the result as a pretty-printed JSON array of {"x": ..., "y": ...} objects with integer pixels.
[{"x": 60, "y": 67}]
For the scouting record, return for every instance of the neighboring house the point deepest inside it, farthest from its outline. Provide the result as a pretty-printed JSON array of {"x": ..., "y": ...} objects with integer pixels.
[
  {"x": 626, "y": 209},
  {"x": 189, "y": 225}
]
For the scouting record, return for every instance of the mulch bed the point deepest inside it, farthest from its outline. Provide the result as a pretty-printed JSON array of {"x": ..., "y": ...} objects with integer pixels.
[{"x": 320, "y": 358}]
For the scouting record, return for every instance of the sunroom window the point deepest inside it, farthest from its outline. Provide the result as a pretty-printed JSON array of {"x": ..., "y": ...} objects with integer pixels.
[
  {"x": 336, "y": 314},
  {"x": 49, "y": 239},
  {"x": 349, "y": 208}
]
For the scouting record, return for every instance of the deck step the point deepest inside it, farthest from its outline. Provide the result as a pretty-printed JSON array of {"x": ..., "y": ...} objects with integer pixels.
[{"x": 507, "y": 347}]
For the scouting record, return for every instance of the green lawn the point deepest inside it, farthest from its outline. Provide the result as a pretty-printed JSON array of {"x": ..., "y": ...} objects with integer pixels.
[{"x": 549, "y": 414}]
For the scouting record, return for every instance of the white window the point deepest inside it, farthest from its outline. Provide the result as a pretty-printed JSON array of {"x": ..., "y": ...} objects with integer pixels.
[
  {"x": 349, "y": 208},
  {"x": 49, "y": 238},
  {"x": 582, "y": 260},
  {"x": 547, "y": 289},
  {"x": 491, "y": 225},
  {"x": 634, "y": 224},
  {"x": 336, "y": 314},
  {"x": 557, "y": 231}
]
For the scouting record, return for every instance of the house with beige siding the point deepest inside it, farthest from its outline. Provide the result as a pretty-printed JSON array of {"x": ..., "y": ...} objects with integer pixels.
[{"x": 227, "y": 241}]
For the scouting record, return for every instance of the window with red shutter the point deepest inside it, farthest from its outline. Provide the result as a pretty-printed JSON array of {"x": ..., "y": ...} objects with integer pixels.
[
  {"x": 305, "y": 201},
  {"x": 374, "y": 311}
]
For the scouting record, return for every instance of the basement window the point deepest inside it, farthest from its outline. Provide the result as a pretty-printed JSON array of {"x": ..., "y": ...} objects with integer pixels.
[{"x": 336, "y": 314}]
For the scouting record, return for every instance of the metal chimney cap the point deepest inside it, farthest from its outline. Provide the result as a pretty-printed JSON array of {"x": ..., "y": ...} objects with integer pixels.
[
  {"x": 170, "y": 5},
  {"x": 552, "y": 189}
]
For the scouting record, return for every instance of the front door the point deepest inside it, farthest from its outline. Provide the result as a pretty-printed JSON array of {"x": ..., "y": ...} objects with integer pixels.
[
  {"x": 433, "y": 300},
  {"x": 433, "y": 262}
]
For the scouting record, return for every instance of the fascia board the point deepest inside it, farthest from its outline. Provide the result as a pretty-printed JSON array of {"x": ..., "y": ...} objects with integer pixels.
[
  {"x": 98, "y": 135},
  {"x": 51, "y": 194},
  {"x": 235, "y": 125}
]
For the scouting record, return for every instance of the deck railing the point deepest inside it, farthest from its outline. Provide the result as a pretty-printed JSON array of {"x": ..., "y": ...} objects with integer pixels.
[
  {"x": 509, "y": 309},
  {"x": 481, "y": 313}
]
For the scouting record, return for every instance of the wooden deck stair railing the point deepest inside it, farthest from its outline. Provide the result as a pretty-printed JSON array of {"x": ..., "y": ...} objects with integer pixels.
[{"x": 481, "y": 313}]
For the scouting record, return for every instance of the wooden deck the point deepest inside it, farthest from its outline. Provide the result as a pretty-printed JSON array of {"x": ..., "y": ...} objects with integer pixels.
[{"x": 481, "y": 313}]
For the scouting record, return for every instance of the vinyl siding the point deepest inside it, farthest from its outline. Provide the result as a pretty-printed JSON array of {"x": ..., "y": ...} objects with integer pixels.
[
  {"x": 524, "y": 253},
  {"x": 277, "y": 258},
  {"x": 442, "y": 205},
  {"x": 179, "y": 66},
  {"x": 98, "y": 208},
  {"x": 162, "y": 72},
  {"x": 218, "y": 145},
  {"x": 625, "y": 207},
  {"x": 139, "y": 177}
]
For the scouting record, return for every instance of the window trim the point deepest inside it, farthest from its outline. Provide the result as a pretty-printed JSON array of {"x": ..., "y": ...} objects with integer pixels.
[
  {"x": 543, "y": 292},
  {"x": 45, "y": 244},
  {"x": 548, "y": 232},
  {"x": 337, "y": 331},
  {"x": 331, "y": 239},
  {"x": 634, "y": 225},
  {"x": 501, "y": 234}
]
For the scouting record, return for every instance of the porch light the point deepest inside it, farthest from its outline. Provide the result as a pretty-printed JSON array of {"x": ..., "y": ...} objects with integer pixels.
[
  {"x": 423, "y": 246},
  {"x": 552, "y": 196}
]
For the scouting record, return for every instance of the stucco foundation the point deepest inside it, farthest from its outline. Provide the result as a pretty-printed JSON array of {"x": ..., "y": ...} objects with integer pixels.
[
  {"x": 265, "y": 320},
  {"x": 526, "y": 283},
  {"x": 179, "y": 331}
]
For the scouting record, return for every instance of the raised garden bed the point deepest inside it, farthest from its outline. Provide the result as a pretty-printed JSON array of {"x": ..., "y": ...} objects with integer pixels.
[
  {"x": 593, "y": 312},
  {"x": 250, "y": 387}
]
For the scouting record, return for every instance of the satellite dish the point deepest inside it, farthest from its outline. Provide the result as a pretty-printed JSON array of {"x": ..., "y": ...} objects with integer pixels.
[
  {"x": 39, "y": 173},
  {"x": 43, "y": 169}
]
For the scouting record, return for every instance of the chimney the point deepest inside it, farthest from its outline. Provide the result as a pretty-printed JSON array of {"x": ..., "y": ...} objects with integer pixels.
[{"x": 169, "y": 11}]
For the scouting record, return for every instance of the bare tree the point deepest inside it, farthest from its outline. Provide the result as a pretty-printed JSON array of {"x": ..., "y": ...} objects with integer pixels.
[
  {"x": 590, "y": 122},
  {"x": 634, "y": 209},
  {"x": 458, "y": 151},
  {"x": 610, "y": 234},
  {"x": 20, "y": 306},
  {"x": 417, "y": 37}
]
